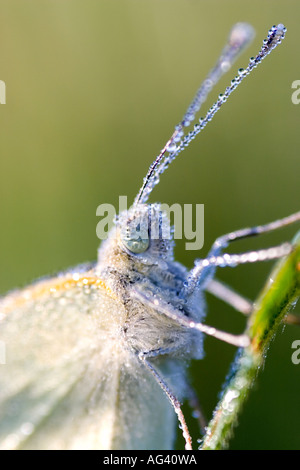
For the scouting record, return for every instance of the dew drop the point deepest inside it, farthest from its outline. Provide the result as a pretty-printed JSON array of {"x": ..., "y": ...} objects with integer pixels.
[{"x": 171, "y": 147}]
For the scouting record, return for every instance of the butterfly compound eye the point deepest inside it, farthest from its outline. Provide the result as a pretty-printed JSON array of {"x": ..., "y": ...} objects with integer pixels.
[
  {"x": 136, "y": 236},
  {"x": 136, "y": 246}
]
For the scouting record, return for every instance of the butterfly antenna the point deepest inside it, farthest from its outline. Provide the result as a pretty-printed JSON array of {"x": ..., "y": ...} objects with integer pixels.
[{"x": 240, "y": 36}]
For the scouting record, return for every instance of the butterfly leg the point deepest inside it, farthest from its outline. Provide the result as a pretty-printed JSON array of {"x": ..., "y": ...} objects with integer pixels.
[
  {"x": 179, "y": 317},
  {"x": 204, "y": 269},
  {"x": 196, "y": 407},
  {"x": 229, "y": 296},
  {"x": 143, "y": 357}
]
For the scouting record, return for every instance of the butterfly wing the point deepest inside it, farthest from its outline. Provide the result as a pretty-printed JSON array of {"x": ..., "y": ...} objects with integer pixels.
[{"x": 69, "y": 380}]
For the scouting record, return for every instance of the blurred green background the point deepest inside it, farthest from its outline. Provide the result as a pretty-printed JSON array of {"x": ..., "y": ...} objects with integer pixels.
[{"x": 94, "y": 89}]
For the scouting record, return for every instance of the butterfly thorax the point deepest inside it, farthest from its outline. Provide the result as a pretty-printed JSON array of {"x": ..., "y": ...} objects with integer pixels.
[{"x": 154, "y": 273}]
